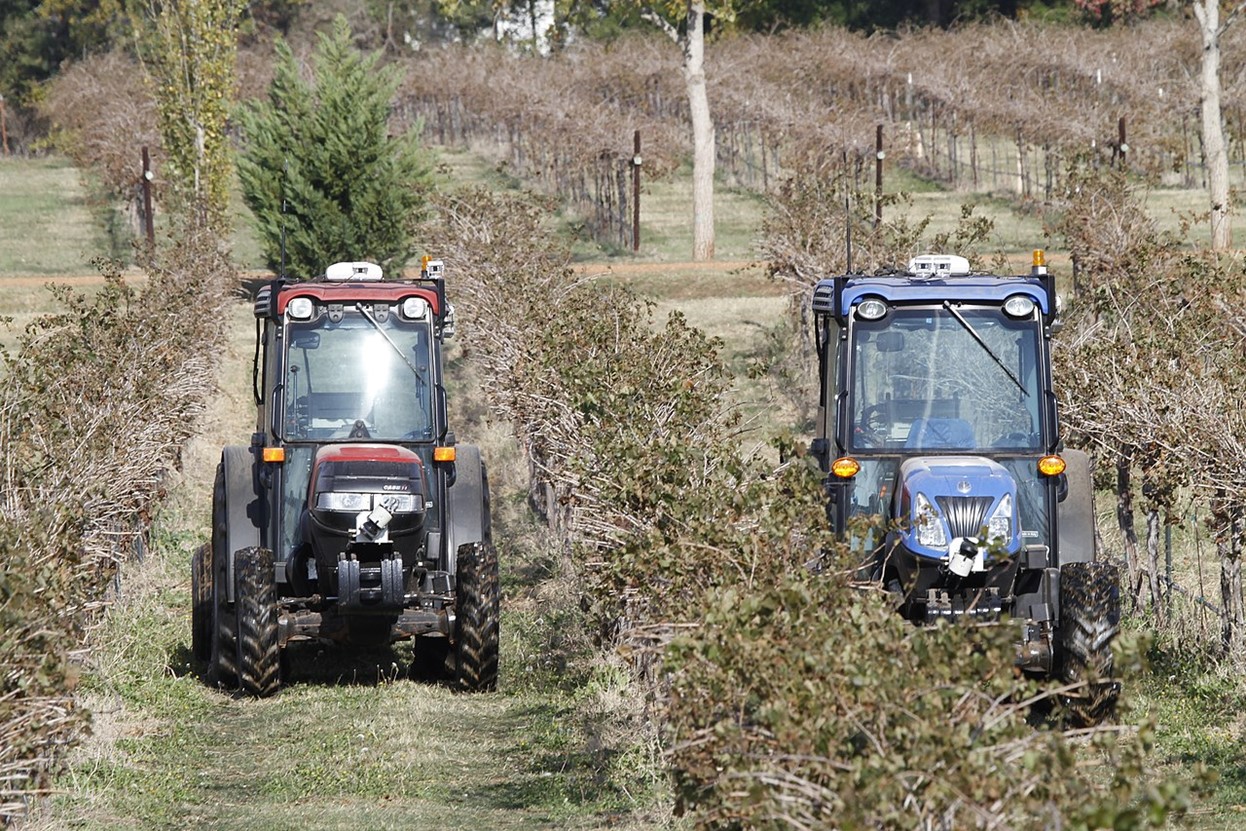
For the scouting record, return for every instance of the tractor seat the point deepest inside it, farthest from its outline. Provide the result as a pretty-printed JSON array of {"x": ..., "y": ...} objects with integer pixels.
[{"x": 940, "y": 434}]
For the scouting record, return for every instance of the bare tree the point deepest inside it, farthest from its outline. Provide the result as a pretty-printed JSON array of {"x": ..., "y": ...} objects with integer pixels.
[
  {"x": 1207, "y": 12},
  {"x": 692, "y": 41}
]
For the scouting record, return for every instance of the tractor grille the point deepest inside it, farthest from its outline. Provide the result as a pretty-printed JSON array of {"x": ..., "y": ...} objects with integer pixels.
[{"x": 965, "y": 514}]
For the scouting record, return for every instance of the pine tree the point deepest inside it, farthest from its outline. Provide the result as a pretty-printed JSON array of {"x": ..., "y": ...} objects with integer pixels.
[{"x": 317, "y": 160}]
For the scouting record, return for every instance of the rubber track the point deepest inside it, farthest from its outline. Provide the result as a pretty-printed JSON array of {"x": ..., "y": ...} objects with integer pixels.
[
  {"x": 478, "y": 611},
  {"x": 1090, "y": 609},
  {"x": 255, "y": 593}
]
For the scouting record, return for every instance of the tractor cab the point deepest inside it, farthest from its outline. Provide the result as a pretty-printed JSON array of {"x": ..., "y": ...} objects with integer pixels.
[
  {"x": 353, "y": 516},
  {"x": 937, "y": 419},
  {"x": 357, "y": 413}
]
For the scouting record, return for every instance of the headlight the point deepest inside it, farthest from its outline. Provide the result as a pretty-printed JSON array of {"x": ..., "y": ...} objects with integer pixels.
[
  {"x": 1019, "y": 306},
  {"x": 929, "y": 526},
  {"x": 300, "y": 308},
  {"x": 398, "y": 503},
  {"x": 871, "y": 308},
  {"x": 415, "y": 308},
  {"x": 352, "y": 502},
  {"x": 999, "y": 526}
]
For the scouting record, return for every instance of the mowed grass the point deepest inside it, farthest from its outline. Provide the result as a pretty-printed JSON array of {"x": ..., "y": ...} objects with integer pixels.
[{"x": 46, "y": 224}]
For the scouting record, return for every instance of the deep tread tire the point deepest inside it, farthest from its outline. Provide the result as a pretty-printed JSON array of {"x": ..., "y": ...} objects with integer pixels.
[
  {"x": 201, "y": 623},
  {"x": 255, "y": 593},
  {"x": 222, "y": 649},
  {"x": 1090, "y": 611},
  {"x": 478, "y": 612}
]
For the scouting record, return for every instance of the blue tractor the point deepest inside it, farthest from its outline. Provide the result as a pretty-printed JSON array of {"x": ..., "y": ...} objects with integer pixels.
[{"x": 937, "y": 417}]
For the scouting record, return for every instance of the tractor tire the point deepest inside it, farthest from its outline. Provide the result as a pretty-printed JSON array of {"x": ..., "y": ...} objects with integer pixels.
[
  {"x": 478, "y": 611},
  {"x": 222, "y": 648},
  {"x": 255, "y": 592},
  {"x": 201, "y": 622},
  {"x": 1090, "y": 618}
]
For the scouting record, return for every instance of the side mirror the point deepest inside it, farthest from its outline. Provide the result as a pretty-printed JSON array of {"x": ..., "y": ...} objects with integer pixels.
[{"x": 447, "y": 323}]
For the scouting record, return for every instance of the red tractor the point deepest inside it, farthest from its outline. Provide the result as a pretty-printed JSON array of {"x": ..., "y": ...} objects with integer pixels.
[{"x": 352, "y": 517}]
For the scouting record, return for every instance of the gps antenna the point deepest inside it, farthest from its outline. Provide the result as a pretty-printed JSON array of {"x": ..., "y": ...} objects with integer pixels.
[
  {"x": 848, "y": 234},
  {"x": 285, "y": 173}
]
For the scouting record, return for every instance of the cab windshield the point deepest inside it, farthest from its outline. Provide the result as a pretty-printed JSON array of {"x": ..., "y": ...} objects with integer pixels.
[
  {"x": 364, "y": 377},
  {"x": 945, "y": 378}
]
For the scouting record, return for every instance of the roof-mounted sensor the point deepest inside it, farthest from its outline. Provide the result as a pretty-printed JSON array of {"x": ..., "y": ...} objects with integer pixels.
[
  {"x": 354, "y": 272},
  {"x": 938, "y": 265}
]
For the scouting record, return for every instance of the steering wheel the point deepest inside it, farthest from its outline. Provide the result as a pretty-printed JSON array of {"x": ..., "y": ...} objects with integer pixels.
[{"x": 873, "y": 427}]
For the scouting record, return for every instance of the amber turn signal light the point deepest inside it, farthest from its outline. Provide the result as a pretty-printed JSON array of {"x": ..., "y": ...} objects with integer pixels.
[
  {"x": 443, "y": 454},
  {"x": 845, "y": 467},
  {"x": 274, "y": 454},
  {"x": 1051, "y": 465}
]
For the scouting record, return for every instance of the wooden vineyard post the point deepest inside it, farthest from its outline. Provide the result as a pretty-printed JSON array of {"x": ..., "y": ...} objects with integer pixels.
[
  {"x": 879, "y": 155},
  {"x": 148, "y": 223},
  {"x": 636, "y": 191}
]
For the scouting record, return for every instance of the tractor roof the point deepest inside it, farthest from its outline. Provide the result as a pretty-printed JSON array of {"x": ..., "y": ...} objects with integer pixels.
[
  {"x": 350, "y": 292},
  {"x": 900, "y": 288},
  {"x": 935, "y": 278},
  {"x": 355, "y": 282}
]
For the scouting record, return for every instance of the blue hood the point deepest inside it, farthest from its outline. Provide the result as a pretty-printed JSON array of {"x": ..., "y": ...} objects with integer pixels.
[{"x": 960, "y": 494}]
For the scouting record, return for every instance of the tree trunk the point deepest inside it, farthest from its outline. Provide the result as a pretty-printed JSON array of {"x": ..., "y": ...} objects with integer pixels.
[
  {"x": 702, "y": 135},
  {"x": 1208, "y": 14}
]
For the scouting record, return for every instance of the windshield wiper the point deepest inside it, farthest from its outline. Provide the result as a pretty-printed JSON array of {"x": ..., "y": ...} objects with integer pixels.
[
  {"x": 419, "y": 376},
  {"x": 968, "y": 328}
]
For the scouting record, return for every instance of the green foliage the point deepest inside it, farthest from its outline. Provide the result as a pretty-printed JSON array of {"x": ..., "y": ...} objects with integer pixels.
[
  {"x": 318, "y": 165},
  {"x": 93, "y": 420},
  {"x": 38, "y": 36},
  {"x": 190, "y": 47},
  {"x": 807, "y": 703}
]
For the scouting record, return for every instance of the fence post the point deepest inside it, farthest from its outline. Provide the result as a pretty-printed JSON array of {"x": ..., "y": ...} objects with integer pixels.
[
  {"x": 1168, "y": 567},
  {"x": 1122, "y": 147},
  {"x": 879, "y": 155},
  {"x": 148, "y": 222},
  {"x": 636, "y": 190}
]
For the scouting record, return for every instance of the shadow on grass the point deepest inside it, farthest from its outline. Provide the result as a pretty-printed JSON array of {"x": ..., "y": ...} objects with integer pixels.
[
  {"x": 566, "y": 765},
  {"x": 329, "y": 665}
]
